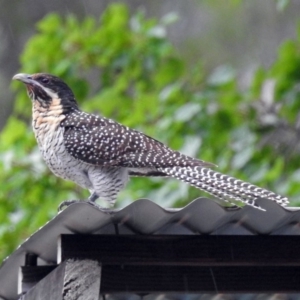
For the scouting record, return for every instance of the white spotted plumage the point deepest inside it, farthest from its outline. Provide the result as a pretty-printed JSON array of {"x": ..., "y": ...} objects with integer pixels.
[{"x": 100, "y": 154}]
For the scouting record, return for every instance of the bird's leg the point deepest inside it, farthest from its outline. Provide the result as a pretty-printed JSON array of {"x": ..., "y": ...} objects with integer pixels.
[
  {"x": 91, "y": 200},
  {"x": 93, "y": 197}
]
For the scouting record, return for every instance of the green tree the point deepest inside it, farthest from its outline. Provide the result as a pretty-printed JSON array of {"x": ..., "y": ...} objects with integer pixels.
[{"x": 125, "y": 68}]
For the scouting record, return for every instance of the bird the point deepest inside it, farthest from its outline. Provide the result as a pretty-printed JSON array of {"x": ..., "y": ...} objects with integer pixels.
[{"x": 100, "y": 154}]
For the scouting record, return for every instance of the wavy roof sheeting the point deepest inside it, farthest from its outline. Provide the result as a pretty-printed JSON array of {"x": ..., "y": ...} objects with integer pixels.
[{"x": 202, "y": 216}]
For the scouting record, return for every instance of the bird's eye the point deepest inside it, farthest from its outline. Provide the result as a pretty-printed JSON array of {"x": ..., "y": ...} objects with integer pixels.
[{"x": 44, "y": 80}]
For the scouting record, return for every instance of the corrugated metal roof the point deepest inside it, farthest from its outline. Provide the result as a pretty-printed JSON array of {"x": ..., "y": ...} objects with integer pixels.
[{"x": 202, "y": 216}]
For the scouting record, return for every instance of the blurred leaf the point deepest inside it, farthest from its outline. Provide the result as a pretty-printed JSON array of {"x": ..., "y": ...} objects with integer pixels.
[
  {"x": 187, "y": 111},
  {"x": 12, "y": 133},
  {"x": 221, "y": 75}
]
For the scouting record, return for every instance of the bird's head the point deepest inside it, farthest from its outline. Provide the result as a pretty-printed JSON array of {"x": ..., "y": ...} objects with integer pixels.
[{"x": 46, "y": 89}]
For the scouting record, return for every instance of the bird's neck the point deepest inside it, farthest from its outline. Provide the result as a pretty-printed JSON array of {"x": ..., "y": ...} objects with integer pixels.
[
  {"x": 46, "y": 119},
  {"x": 69, "y": 104},
  {"x": 54, "y": 109}
]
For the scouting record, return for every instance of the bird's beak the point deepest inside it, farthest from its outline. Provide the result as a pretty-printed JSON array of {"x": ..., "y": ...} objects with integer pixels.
[{"x": 25, "y": 78}]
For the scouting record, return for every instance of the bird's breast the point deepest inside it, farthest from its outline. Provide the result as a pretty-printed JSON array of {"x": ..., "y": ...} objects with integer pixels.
[{"x": 50, "y": 137}]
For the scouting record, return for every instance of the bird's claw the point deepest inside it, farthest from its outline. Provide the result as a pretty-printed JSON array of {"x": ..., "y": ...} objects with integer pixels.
[
  {"x": 66, "y": 203},
  {"x": 69, "y": 202}
]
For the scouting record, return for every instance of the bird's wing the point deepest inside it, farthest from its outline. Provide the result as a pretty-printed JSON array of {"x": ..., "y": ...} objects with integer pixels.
[{"x": 112, "y": 144}]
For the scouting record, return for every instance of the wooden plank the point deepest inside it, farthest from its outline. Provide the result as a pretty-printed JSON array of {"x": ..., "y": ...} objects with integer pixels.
[
  {"x": 182, "y": 279},
  {"x": 73, "y": 279},
  {"x": 183, "y": 264},
  {"x": 185, "y": 250},
  {"x": 82, "y": 280}
]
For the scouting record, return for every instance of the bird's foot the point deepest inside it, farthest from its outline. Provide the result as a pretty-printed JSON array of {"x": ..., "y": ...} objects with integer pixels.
[
  {"x": 91, "y": 200},
  {"x": 69, "y": 202},
  {"x": 66, "y": 203},
  {"x": 103, "y": 209}
]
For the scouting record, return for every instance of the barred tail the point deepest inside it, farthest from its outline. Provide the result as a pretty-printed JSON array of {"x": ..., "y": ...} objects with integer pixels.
[{"x": 222, "y": 186}]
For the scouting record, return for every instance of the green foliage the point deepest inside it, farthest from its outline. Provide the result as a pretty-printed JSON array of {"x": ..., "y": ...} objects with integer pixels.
[{"x": 125, "y": 68}]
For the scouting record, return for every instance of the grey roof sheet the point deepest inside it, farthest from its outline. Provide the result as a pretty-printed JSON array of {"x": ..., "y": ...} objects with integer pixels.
[{"x": 202, "y": 216}]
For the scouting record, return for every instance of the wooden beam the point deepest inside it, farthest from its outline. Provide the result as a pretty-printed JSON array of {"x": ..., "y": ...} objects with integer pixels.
[
  {"x": 73, "y": 279},
  {"x": 82, "y": 280},
  {"x": 63, "y": 285},
  {"x": 182, "y": 279},
  {"x": 193, "y": 250},
  {"x": 183, "y": 264}
]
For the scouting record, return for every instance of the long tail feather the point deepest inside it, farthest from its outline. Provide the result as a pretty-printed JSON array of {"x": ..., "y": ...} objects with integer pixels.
[{"x": 223, "y": 186}]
